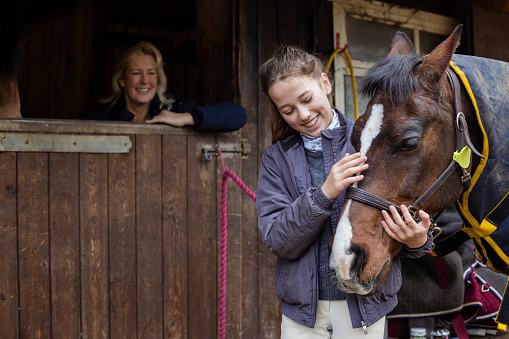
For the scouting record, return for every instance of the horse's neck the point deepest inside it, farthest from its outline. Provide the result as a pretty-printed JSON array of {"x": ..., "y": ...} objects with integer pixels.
[{"x": 9, "y": 97}]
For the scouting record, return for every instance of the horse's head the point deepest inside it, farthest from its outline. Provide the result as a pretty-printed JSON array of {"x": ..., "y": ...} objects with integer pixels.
[{"x": 408, "y": 136}]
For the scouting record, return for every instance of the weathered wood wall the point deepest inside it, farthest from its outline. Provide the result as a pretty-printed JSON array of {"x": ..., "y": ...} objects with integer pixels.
[{"x": 118, "y": 245}]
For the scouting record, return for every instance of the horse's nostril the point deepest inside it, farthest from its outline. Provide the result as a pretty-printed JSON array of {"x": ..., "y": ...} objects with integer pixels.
[{"x": 361, "y": 255}]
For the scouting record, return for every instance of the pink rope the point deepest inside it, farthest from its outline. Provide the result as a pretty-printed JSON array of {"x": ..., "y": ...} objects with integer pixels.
[{"x": 227, "y": 173}]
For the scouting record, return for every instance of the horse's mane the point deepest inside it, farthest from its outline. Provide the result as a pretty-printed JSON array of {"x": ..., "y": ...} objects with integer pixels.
[{"x": 393, "y": 75}]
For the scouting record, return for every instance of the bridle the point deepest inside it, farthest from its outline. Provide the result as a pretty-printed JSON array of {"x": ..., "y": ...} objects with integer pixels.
[{"x": 461, "y": 158}]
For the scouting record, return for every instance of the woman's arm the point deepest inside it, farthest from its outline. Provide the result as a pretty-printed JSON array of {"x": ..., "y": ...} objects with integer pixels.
[
  {"x": 173, "y": 119},
  {"x": 220, "y": 117}
]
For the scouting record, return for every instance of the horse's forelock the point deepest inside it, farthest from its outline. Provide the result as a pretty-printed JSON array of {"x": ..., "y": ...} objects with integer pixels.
[{"x": 394, "y": 76}]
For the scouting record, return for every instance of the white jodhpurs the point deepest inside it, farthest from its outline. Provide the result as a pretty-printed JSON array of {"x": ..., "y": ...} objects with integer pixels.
[{"x": 332, "y": 322}]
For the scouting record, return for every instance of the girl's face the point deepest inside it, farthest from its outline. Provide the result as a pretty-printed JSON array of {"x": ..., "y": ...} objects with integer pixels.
[
  {"x": 139, "y": 80},
  {"x": 303, "y": 103}
]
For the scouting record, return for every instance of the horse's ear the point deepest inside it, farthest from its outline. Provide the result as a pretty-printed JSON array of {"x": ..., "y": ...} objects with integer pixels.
[
  {"x": 401, "y": 45},
  {"x": 438, "y": 60}
]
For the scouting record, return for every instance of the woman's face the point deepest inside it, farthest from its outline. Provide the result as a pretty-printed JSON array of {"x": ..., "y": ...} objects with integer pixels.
[
  {"x": 303, "y": 103},
  {"x": 139, "y": 80}
]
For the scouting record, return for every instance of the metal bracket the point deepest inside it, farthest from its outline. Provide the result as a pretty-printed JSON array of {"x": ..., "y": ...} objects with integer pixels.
[{"x": 227, "y": 150}]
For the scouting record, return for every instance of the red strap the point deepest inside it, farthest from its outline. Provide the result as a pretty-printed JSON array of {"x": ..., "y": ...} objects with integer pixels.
[
  {"x": 393, "y": 328},
  {"x": 459, "y": 325},
  {"x": 442, "y": 272}
]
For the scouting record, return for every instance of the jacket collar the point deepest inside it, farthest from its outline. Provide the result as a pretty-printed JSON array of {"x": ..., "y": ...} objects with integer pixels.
[{"x": 120, "y": 112}]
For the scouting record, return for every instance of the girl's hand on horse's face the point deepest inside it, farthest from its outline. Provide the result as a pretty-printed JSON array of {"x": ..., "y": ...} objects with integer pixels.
[
  {"x": 406, "y": 230},
  {"x": 341, "y": 174}
]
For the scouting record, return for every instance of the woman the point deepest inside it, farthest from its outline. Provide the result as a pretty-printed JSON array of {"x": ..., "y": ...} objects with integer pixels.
[
  {"x": 139, "y": 86},
  {"x": 301, "y": 189}
]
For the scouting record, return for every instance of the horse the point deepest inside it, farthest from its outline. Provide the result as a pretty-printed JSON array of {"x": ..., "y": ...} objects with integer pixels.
[
  {"x": 12, "y": 39},
  {"x": 422, "y": 135}
]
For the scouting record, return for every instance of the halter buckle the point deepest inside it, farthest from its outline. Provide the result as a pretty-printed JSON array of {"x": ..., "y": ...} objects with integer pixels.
[
  {"x": 415, "y": 214},
  {"x": 466, "y": 178},
  {"x": 458, "y": 121}
]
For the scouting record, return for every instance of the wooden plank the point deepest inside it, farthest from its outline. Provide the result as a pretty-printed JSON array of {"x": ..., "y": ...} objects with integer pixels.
[
  {"x": 62, "y": 41},
  {"x": 94, "y": 245},
  {"x": 64, "y": 245},
  {"x": 175, "y": 235},
  {"x": 214, "y": 47},
  {"x": 267, "y": 37},
  {"x": 268, "y": 303},
  {"x": 490, "y": 38},
  {"x": 149, "y": 236},
  {"x": 251, "y": 324},
  {"x": 9, "y": 321},
  {"x": 234, "y": 260},
  {"x": 33, "y": 246},
  {"x": 201, "y": 251},
  {"x": 96, "y": 127},
  {"x": 287, "y": 22},
  {"x": 33, "y": 96},
  {"x": 122, "y": 242},
  {"x": 304, "y": 22},
  {"x": 83, "y": 49},
  {"x": 397, "y": 15},
  {"x": 324, "y": 31}
]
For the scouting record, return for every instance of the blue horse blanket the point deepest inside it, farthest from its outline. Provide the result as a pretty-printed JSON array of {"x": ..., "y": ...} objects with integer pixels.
[{"x": 484, "y": 207}]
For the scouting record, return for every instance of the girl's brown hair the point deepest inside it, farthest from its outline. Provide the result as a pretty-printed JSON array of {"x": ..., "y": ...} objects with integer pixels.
[{"x": 287, "y": 61}]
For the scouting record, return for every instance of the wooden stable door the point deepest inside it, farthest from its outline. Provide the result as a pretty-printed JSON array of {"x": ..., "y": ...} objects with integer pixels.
[{"x": 117, "y": 235}]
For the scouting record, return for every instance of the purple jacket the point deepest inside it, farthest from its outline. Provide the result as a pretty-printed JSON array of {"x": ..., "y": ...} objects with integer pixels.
[{"x": 291, "y": 214}]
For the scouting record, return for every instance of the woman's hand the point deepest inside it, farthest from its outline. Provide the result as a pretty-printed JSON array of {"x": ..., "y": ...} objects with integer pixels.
[
  {"x": 341, "y": 174},
  {"x": 173, "y": 119},
  {"x": 406, "y": 230}
]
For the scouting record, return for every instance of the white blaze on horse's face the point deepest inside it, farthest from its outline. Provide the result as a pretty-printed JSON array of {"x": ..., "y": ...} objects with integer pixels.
[
  {"x": 372, "y": 127},
  {"x": 341, "y": 256}
]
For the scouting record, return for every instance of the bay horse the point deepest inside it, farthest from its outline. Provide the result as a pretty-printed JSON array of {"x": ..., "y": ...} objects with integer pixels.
[
  {"x": 419, "y": 132},
  {"x": 12, "y": 41}
]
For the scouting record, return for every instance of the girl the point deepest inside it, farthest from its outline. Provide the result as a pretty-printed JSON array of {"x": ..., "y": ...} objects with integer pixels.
[{"x": 300, "y": 192}]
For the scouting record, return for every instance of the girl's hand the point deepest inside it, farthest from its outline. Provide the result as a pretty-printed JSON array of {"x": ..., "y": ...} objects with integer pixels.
[
  {"x": 340, "y": 175},
  {"x": 173, "y": 119},
  {"x": 406, "y": 230}
]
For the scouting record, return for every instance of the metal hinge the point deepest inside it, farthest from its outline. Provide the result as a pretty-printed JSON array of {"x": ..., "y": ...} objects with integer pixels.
[
  {"x": 227, "y": 150},
  {"x": 37, "y": 142}
]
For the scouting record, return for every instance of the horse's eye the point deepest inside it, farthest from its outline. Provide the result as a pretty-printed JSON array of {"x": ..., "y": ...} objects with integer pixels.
[{"x": 410, "y": 144}]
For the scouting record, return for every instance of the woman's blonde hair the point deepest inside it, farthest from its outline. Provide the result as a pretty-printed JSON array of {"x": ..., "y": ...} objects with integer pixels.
[
  {"x": 141, "y": 48},
  {"x": 287, "y": 61}
]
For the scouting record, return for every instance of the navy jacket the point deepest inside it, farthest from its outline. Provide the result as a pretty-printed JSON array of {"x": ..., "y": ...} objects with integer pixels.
[
  {"x": 223, "y": 116},
  {"x": 291, "y": 214}
]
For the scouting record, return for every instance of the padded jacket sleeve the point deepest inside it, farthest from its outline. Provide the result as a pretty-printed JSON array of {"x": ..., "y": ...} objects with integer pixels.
[
  {"x": 289, "y": 223},
  {"x": 221, "y": 117}
]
